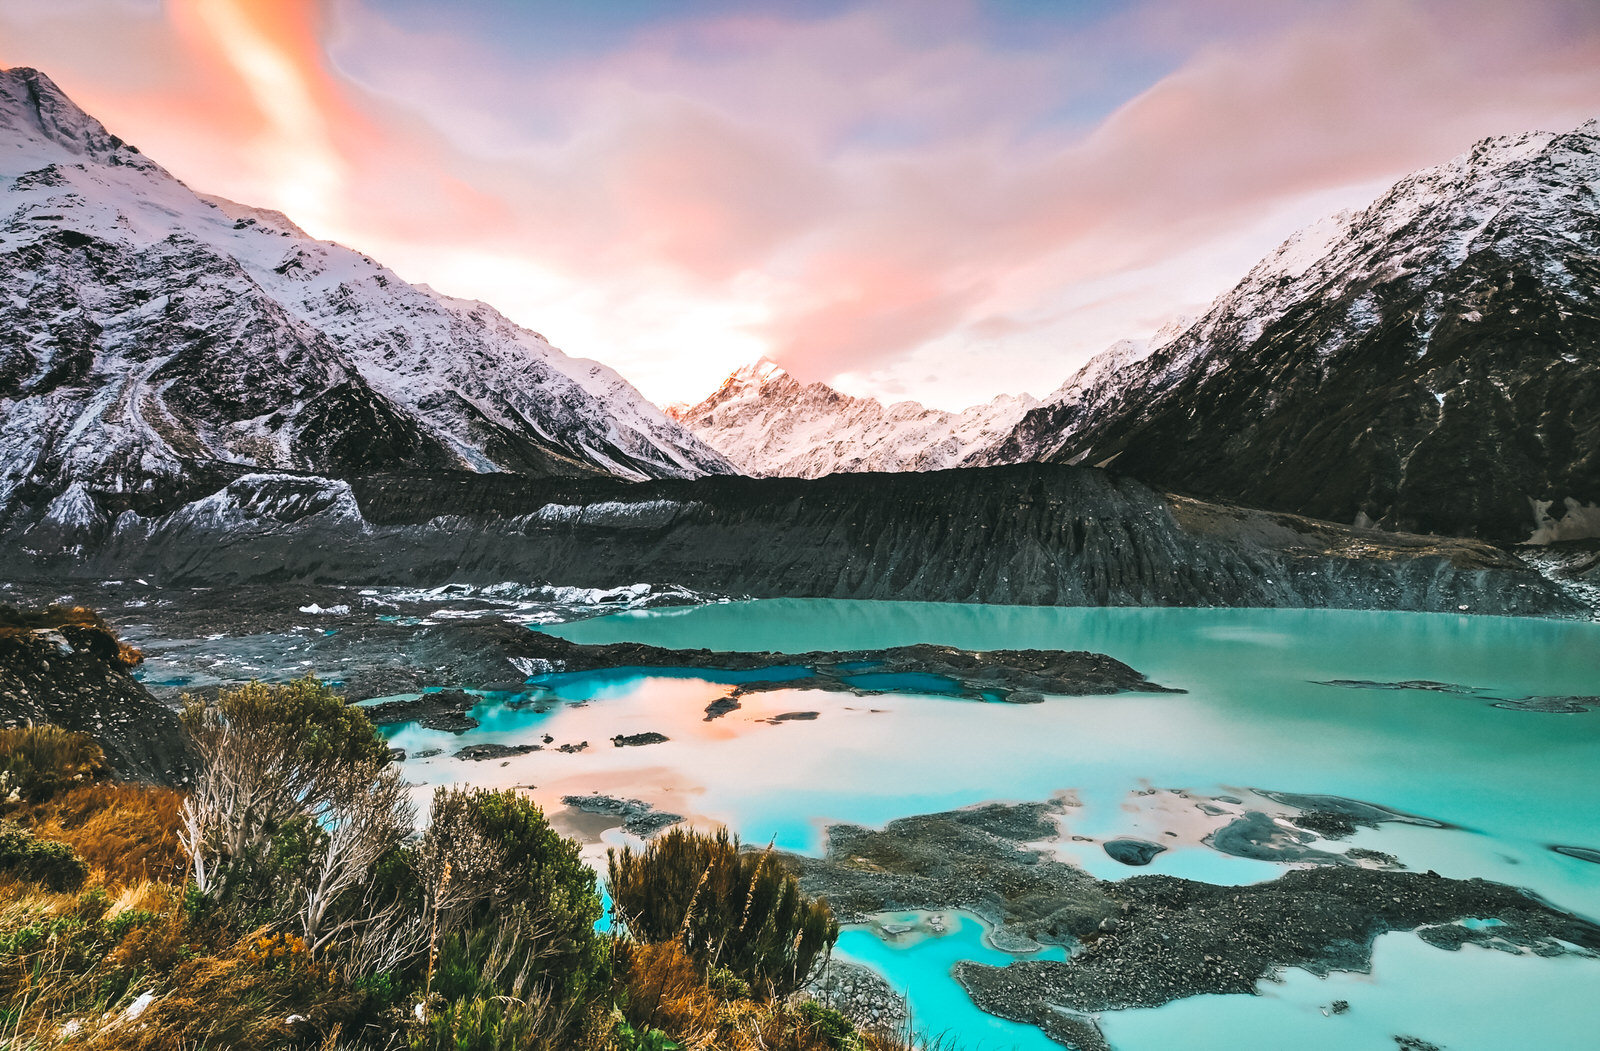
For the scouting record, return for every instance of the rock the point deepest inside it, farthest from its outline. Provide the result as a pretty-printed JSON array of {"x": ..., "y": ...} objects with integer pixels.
[
  {"x": 861, "y": 995},
  {"x": 397, "y": 755},
  {"x": 1053, "y": 535},
  {"x": 68, "y": 668},
  {"x": 1325, "y": 823},
  {"x": 433, "y": 710},
  {"x": 1132, "y": 851},
  {"x": 637, "y": 740},
  {"x": 721, "y": 706},
  {"x": 787, "y": 717},
  {"x": 974, "y": 674},
  {"x": 1169, "y": 938},
  {"x": 480, "y": 752},
  {"x": 1581, "y": 853},
  {"x": 573, "y": 748},
  {"x": 1377, "y": 857},
  {"x": 638, "y": 818},
  {"x": 1257, "y": 836}
]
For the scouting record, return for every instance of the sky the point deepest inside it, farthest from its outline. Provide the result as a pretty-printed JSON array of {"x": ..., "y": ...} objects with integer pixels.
[{"x": 937, "y": 199}]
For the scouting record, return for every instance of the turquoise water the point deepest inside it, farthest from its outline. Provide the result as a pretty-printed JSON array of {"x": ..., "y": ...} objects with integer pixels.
[
  {"x": 903, "y": 682},
  {"x": 939, "y": 1005},
  {"x": 1254, "y": 716}
]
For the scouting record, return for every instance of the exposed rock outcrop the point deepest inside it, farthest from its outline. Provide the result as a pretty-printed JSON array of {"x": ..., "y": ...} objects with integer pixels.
[{"x": 67, "y": 669}]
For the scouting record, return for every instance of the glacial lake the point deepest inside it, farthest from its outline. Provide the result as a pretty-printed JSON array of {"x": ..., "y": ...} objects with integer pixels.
[{"x": 1257, "y": 715}]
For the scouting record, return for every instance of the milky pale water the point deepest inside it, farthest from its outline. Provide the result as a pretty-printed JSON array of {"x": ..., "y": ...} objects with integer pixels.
[{"x": 1254, "y": 717}]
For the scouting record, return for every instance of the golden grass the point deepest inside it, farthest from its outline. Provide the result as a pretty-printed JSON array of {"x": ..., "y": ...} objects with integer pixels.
[{"x": 128, "y": 834}]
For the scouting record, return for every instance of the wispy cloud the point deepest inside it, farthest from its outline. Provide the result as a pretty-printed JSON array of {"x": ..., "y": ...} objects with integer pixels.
[{"x": 929, "y": 198}]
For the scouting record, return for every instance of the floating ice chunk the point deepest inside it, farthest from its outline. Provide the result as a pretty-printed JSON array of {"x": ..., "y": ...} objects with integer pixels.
[{"x": 338, "y": 611}]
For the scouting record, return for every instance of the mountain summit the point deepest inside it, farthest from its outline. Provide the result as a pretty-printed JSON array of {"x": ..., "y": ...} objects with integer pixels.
[
  {"x": 155, "y": 340},
  {"x": 768, "y": 424}
]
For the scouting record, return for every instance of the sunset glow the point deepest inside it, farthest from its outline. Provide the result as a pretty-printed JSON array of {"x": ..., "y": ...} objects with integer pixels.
[{"x": 943, "y": 200}]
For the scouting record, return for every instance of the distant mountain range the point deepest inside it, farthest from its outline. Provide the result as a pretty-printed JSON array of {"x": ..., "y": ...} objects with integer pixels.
[
  {"x": 769, "y": 424},
  {"x": 1428, "y": 364},
  {"x": 195, "y": 391},
  {"x": 153, "y": 340}
]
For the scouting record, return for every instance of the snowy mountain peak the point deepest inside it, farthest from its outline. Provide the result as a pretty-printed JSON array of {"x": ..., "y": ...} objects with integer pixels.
[
  {"x": 754, "y": 377},
  {"x": 268, "y": 218},
  {"x": 158, "y": 341},
  {"x": 769, "y": 424},
  {"x": 763, "y": 371},
  {"x": 33, "y": 108}
]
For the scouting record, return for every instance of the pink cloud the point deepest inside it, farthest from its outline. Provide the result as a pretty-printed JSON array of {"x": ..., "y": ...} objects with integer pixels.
[{"x": 864, "y": 192}]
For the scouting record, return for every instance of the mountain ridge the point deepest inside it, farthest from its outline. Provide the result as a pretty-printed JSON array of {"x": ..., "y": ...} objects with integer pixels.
[
  {"x": 1428, "y": 363},
  {"x": 768, "y": 424},
  {"x": 154, "y": 334}
]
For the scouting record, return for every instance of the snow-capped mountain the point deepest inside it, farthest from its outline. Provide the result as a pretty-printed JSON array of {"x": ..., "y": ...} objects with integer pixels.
[
  {"x": 1430, "y": 363},
  {"x": 151, "y": 338},
  {"x": 1100, "y": 378},
  {"x": 768, "y": 424}
]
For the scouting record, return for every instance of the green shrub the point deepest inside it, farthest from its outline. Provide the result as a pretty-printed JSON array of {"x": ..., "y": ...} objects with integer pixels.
[
  {"x": 834, "y": 1028},
  {"x": 54, "y": 865},
  {"x": 731, "y": 909},
  {"x": 118, "y": 926},
  {"x": 509, "y": 871},
  {"x": 325, "y": 730}
]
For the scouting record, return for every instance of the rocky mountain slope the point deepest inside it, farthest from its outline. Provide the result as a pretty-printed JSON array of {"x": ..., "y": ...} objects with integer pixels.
[
  {"x": 151, "y": 338},
  {"x": 1100, "y": 376},
  {"x": 1037, "y": 534},
  {"x": 768, "y": 424},
  {"x": 1431, "y": 363},
  {"x": 65, "y": 667}
]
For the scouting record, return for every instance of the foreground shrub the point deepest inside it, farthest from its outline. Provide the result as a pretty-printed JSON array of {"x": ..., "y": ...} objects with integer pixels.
[
  {"x": 36, "y": 762},
  {"x": 293, "y": 805},
  {"x": 511, "y": 909},
  {"x": 666, "y": 1003},
  {"x": 46, "y": 862},
  {"x": 732, "y": 909},
  {"x": 498, "y": 992}
]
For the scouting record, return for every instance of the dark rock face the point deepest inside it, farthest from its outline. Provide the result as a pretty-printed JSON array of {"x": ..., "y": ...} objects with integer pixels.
[
  {"x": 70, "y": 676},
  {"x": 1434, "y": 367},
  {"x": 1035, "y": 534}
]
